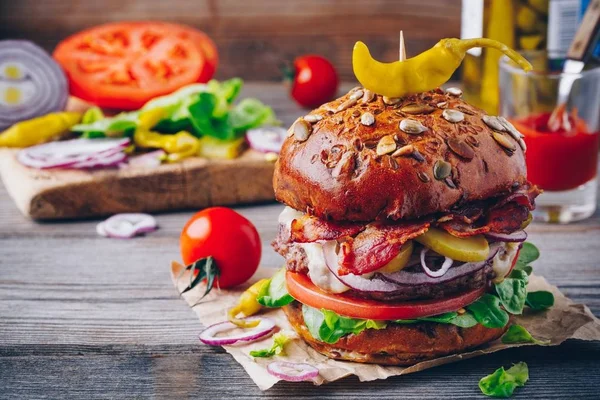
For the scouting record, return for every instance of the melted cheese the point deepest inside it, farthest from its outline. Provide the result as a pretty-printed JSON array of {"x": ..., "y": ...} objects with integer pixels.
[
  {"x": 503, "y": 260},
  {"x": 318, "y": 272}
]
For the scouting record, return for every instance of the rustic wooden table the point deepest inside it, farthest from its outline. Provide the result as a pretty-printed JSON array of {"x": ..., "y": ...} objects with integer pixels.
[{"x": 87, "y": 317}]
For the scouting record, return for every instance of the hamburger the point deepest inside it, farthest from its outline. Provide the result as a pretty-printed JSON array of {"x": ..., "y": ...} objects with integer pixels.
[{"x": 403, "y": 218}]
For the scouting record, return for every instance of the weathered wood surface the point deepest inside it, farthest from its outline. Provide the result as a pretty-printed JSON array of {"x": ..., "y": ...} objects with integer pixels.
[
  {"x": 87, "y": 317},
  {"x": 256, "y": 37}
]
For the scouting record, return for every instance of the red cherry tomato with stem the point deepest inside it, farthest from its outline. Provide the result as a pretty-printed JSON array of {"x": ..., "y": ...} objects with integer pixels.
[
  {"x": 315, "y": 81},
  {"x": 226, "y": 236}
]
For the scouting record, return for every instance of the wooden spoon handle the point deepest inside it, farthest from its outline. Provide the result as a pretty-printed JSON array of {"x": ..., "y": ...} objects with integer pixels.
[{"x": 586, "y": 34}]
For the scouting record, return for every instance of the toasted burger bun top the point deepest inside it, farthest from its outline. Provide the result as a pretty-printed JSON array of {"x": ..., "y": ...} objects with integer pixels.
[{"x": 363, "y": 157}]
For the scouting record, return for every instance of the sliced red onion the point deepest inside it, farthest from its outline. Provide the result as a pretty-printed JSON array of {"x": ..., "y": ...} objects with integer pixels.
[
  {"x": 125, "y": 226},
  {"x": 43, "y": 81},
  {"x": 100, "y": 229},
  {"x": 264, "y": 327},
  {"x": 148, "y": 160},
  {"x": 101, "y": 161},
  {"x": 266, "y": 139},
  {"x": 518, "y": 236},
  {"x": 406, "y": 278},
  {"x": 292, "y": 372},
  {"x": 356, "y": 282},
  {"x": 74, "y": 153},
  {"x": 440, "y": 272}
]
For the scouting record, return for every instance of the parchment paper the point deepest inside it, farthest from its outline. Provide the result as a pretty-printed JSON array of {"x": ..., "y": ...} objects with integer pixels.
[{"x": 565, "y": 320}]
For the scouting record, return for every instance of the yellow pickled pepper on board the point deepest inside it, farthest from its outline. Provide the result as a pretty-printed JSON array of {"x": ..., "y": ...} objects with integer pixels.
[{"x": 39, "y": 130}]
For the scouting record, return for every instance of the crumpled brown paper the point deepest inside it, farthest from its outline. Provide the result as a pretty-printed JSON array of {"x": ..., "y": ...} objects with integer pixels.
[{"x": 565, "y": 320}]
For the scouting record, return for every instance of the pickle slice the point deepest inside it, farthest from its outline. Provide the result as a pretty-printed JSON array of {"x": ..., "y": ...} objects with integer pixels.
[
  {"x": 471, "y": 249},
  {"x": 400, "y": 260}
]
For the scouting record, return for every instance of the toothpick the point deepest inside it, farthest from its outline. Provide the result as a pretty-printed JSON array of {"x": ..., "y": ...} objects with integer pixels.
[{"x": 402, "y": 49}]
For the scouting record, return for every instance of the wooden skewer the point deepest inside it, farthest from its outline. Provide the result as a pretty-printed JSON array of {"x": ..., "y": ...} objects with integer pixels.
[{"x": 402, "y": 49}]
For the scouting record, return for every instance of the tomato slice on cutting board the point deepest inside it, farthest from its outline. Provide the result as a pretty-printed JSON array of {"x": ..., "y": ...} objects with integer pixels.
[
  {"x": 123, "y": 65},
  {"x": 302, "y": 289}
]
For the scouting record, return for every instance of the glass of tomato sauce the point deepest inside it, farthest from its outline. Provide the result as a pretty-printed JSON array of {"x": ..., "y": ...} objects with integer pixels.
[{"x": 562, "y": 154}]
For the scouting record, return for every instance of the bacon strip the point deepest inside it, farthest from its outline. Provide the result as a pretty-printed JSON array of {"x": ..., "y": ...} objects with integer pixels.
[
  {"x": 308, "y": 229},
  {"x": 376, "y": 246}
]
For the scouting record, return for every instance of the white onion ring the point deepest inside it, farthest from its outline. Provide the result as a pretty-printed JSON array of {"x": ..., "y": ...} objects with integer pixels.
[
  {"x": 299, "y": 371},
  {"x": 440, "y": 272},
  {"x": 517, "y": 236},
  {"x": 264, "y": 327},
  {"x": 128, "y": 225},
  {"x": 266, "y": 139},
  {"x": 356, "y": 282}
]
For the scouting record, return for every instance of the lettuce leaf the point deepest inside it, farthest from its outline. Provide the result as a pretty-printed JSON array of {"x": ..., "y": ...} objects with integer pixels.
[
  {"x": 512, "y": 291},
  {"x": 465, "y": 320},
  {"x": 518, "y": 334},
  {"x": 279, "y": 342},
  {"x": 487, "y": 311},
  {"x": 274, "y": 293},
  {"x": 502, "y": 383},
  {"x": 540, "y": 300},
  {"x": 329, "y": 327}
]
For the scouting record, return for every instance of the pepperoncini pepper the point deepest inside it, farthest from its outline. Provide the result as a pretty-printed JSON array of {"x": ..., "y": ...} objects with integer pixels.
[
  {"x": 247, "y": 305},
  {"x": 179, "y": 145},
  {"x": 423, "y": 72},
  {"x": 39, "y": 130}
]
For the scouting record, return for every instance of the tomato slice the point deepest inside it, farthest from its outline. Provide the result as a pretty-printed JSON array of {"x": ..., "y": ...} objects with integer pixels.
[
  {"x": 123, "y": 65},
  {"x": 302, "y": 289}
]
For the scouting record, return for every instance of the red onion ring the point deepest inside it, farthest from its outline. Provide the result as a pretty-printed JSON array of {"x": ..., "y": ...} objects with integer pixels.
[
  {"x": 356, "y": 282},
  {"x": 152, "y": 159},
  {"x": 266, "y": 139},
  {"x": 125, "y": 226},
  {"x": 101, "y": 161},
  {"x": 405, "y": 278},
  {"x": 74, "y": 153},
  {"x": 517, "y": 236},
  {"x": 440, "y": 272},
  {"x": 46, "y": 76},
  {"x": 292, "y": 372},
  {"x": 264, "y": 327}
]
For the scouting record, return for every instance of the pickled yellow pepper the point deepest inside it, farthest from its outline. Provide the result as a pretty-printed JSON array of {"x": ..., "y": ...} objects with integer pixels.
[
  {"x": 39, "y": 130},
  {"x": 247, "y": 305},
  {"x": 423, "y": 72},
  {"x": 179, "y": 145}
]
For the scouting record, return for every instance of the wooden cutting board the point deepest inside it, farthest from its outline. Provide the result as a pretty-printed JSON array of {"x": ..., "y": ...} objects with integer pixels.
[{"x": 194, "y": 183}]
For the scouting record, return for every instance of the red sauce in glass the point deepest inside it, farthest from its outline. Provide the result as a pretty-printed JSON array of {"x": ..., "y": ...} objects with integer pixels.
[{"x": 559, "y": 160}]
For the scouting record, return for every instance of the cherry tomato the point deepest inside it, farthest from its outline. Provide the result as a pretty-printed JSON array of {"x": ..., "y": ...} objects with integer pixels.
[
  {"x": 302, "y": 289},
  {"x": 315, "y": 81},
  {"x": 123, "y": 65},
  {"x": 229, "y": 238}
]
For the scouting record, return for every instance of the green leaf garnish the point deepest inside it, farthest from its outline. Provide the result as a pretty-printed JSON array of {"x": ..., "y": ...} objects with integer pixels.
[
  {"x": 279, "y": 342},
  {"x": 465, "y": 320},
  {"x": 528, "y": 254},
  {"x": 274, "y": 293},
  {"x": 487, "y": 311},
  {"x": 502, "y": 383},
  {"x": 329, "y": 327},
  {"x": 512, "y": 291},
  {"x": 518, "y": 334},
  {"x": 540, "y": 300}
]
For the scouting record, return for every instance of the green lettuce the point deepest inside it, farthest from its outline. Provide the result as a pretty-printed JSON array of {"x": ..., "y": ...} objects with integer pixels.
[
  {"x": 518, "y": 334},
  {"x": 512, "y": 291},
  {"x": 202, "y": 109},
  {"x": 279, "y": 342},
  {"x": 540, "y": 300},
  {"x": 464, "y": 320},
  {"x": 274, "y": 293},
  {"x": 502, "y": 383},
  {"x": 329, "y": 327},
  {"x": 487, "y": 311}
]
